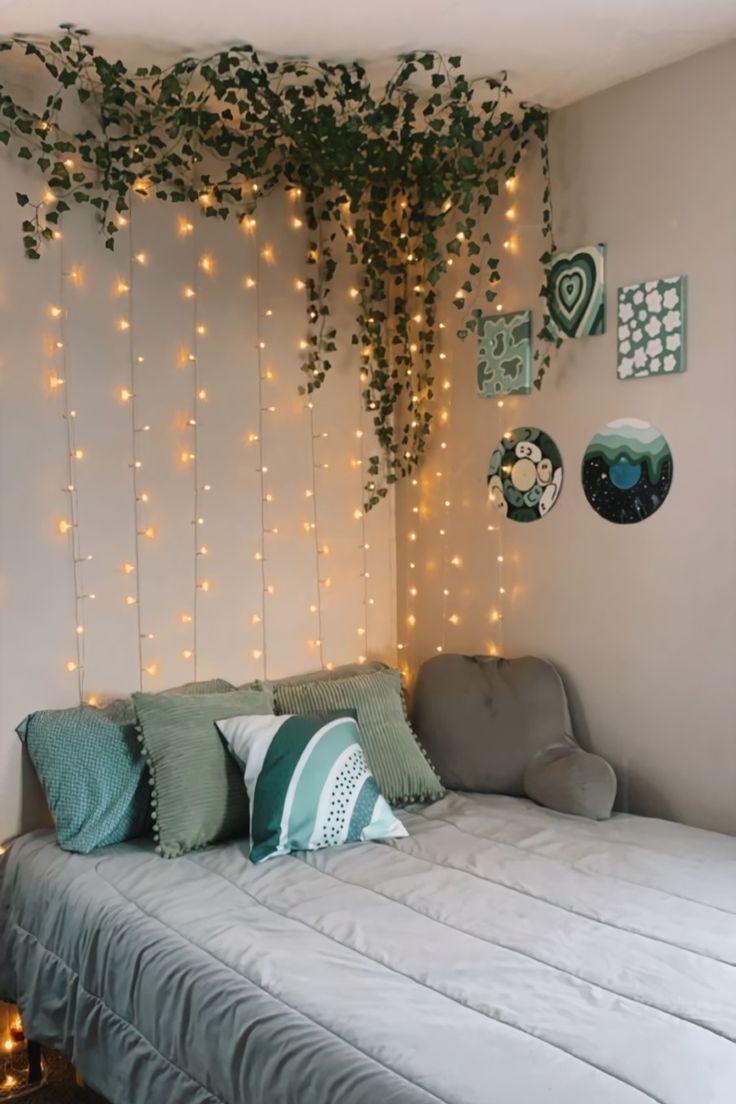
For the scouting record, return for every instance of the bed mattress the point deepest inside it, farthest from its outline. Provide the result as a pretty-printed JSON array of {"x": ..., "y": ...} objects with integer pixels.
[{"x": 502, "y": 954}]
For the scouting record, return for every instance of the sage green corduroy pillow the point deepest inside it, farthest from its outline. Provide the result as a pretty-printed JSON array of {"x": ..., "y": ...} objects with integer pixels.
[
  {"x": 198, "y": 791},
  {"x": 346, "y": 670},
  {"x": 122, "y": 710},
  {"x": 399, "y": 764}
]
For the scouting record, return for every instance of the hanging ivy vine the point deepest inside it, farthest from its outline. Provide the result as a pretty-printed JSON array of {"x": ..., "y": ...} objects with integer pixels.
[{"x": 397, "y": 181}]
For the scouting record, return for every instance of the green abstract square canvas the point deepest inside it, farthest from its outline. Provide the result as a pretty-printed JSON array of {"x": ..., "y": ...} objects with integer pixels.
[
  {"x": 576, "y": 292},
  {"x": 505, "y": 354},
  {"x": 651, "y": 328}
]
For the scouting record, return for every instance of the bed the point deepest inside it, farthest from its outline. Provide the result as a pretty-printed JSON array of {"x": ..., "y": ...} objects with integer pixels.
[{"x": 502, "y": 954}]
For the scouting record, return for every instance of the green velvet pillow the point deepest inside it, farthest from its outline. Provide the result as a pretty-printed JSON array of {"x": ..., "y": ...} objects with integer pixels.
[
  {"x": 399, "y": 764},
  {"x": 198, "y": 792}
]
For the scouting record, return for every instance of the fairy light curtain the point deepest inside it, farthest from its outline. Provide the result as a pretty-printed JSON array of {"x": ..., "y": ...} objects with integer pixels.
[
  {"x": 443, "y": 579},
  {"x": 224, "y": 513},
  {"x": 210, "y": 513}
]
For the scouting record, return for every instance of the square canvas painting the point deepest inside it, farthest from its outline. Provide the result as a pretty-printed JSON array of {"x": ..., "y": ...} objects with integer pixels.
[
  {"x": 505, "y": 354},
  {"x": 576, "y": 291},
  {"x": 651, "y": 327}
]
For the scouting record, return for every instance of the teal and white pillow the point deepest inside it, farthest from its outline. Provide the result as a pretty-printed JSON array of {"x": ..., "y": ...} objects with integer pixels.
[
  {"x": 92, "y": 773},
  {"x": 308, "y": 783}
]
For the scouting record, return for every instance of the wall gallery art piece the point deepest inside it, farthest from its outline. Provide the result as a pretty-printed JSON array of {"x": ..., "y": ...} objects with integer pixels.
[
  {"x": 577, "y": 292},
  {"x": 525, "y": 474},
  {"x": 627, "y": 471},
  {"x": 505, "y": 354},
  {"x": 651, "y": 328}
]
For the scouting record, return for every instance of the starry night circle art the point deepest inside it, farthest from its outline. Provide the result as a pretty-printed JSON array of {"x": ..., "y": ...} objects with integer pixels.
[
  {"x": 525, "y": 474},
  {"x": 627, "y": 471}
]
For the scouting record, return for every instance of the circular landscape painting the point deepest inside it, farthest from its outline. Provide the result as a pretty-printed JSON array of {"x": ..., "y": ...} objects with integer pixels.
[
  {"x": 627, "y": 471},
  {"x": 525, "y": 474}
]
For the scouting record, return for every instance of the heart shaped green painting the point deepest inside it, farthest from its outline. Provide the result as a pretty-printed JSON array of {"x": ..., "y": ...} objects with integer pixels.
[{"x": 577, "y": 291}]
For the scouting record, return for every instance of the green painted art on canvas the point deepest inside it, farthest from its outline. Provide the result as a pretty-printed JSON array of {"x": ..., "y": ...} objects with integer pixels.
[
  {"x": 627, "y": 471},
  {"x": 576, "y": 292},
  {"x": 505, "y": 354},
  {"x": 651, "y": 328},
  {"x": 525, "y": 474}
]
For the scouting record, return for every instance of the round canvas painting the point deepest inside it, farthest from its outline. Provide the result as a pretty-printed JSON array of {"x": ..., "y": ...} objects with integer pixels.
[
  {"x": 525, "y": 474},
  {"x": 627, "y": 471}
]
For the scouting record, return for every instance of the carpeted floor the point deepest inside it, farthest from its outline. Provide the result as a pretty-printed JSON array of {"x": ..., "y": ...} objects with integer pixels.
[{"x": 61, "y": 1087}]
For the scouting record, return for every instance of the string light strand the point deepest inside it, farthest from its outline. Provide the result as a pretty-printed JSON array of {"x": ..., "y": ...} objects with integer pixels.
[
  {"x": 445, "y": 491},
  {"x": 262, "y": 469},
  {"x": 74, "y": 455},
  {"x": 363, "y": 630},
  {"x": 314, "y": 524},
  {"x": 136, "y": 463},
  {"x": 200, "y": 585}
]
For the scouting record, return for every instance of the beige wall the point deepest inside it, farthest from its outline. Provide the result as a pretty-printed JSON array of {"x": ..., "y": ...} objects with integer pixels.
[
  {"x": 37, "y": 608},
  {"x": 639, "y": 618}
]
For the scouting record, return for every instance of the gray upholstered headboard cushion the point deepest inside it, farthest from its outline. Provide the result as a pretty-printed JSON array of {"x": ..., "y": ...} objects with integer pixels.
[{"x": 494, "y": 725}]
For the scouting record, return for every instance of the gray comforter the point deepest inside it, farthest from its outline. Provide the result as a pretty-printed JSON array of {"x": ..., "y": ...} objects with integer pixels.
[{"x": 502, "y": 954}]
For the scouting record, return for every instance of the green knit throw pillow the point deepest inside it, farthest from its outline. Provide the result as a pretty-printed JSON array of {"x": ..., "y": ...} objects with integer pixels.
[
  {"x": 198, "y": 791},
  {"x": 399, "y": 764}
]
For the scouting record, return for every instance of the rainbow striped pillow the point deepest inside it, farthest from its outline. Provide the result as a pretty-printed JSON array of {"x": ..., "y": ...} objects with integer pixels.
[{"x": 308, "y": 784}]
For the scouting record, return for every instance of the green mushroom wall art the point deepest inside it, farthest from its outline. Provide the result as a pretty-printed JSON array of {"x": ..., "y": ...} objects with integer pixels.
[
  {"x": 576, "y": 292},
  {"x": 525, "y": 474}
]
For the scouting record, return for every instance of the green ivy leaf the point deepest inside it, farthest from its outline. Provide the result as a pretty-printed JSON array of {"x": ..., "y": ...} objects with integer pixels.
[{"x": 375, "y": 168}]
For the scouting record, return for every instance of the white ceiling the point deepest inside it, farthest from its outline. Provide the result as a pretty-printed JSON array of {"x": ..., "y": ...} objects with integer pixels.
[{"x": 556, "y": 51}]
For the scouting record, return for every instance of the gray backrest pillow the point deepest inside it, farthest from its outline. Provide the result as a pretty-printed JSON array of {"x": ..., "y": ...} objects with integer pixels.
[{"x": 495, "y": 725}]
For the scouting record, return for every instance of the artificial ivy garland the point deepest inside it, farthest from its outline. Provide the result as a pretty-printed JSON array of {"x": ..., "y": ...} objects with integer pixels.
[{"x": 396, "y": 181}]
